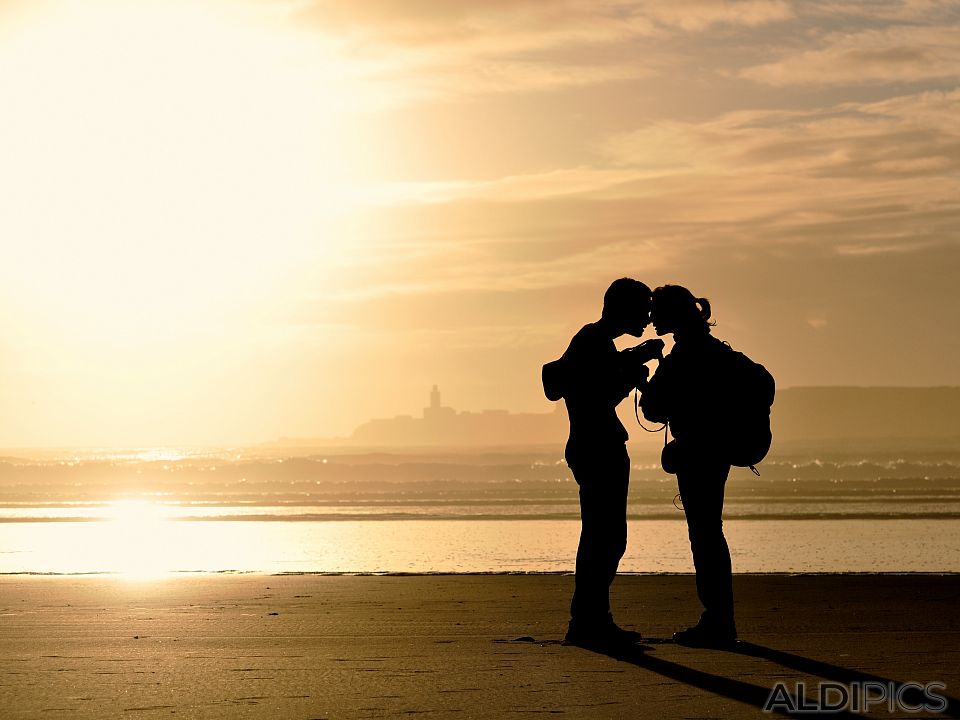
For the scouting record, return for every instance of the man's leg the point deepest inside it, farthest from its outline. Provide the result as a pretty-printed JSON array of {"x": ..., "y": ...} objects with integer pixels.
[{"x": 603, "y": 535}]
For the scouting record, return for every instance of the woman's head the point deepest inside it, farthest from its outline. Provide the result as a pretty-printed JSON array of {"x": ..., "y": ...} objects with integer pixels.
[{"x": 675, "y": 309}]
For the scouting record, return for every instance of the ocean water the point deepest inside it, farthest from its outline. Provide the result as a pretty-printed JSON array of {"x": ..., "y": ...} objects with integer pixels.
[
  {"x": 146, "y": 513},
  {"x": 417, "y": 546}
]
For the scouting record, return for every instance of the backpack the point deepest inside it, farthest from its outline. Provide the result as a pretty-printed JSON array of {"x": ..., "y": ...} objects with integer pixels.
[{"x": 746, "y": 392}]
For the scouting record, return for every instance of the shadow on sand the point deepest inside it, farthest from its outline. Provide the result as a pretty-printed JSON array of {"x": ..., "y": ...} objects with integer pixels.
[{"x": 758, "y": 695}]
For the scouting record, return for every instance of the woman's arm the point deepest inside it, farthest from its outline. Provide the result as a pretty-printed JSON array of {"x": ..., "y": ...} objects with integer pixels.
[{"x": 655, "y": 396}]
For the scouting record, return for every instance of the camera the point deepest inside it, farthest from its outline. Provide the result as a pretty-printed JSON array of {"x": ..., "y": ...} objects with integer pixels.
[
  {"x": 646, "y": 351},
  {"x": 556, "y": 375},
  {"x": 636, "y": 357}
]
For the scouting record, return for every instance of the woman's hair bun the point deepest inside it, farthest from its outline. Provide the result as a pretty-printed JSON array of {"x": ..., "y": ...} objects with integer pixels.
[{"x": 704, "y": 307}]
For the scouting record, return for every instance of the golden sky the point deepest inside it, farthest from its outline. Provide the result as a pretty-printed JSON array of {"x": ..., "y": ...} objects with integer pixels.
[{"x": 223, "y": 221}]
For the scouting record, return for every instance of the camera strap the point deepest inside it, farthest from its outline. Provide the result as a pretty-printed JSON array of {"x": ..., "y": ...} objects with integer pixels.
[{"x": 636, "y": 412}]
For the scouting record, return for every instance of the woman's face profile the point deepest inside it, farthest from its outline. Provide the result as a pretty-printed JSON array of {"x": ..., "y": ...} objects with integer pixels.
[{"x": 662, "y": 319}]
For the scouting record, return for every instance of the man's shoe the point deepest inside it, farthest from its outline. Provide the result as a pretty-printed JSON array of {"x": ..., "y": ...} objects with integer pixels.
[
  {"x": 601, "y": 636},
  {"x": 700, "y": 636}
]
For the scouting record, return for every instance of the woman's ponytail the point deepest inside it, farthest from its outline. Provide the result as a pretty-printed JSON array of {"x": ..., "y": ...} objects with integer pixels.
[{"x": 704, "y": 306}]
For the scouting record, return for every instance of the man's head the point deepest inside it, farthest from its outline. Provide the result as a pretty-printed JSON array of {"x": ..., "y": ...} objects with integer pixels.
[{"x": 626, "y": 306}]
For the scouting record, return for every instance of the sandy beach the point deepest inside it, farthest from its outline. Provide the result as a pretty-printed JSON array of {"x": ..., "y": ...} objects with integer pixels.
[{"x": 315, "y": 646}]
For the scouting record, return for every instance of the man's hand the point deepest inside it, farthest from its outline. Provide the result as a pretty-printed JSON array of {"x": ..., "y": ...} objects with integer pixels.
[
  {"x": 640, "y": 377},
  {"x": 648, "y": 350}
]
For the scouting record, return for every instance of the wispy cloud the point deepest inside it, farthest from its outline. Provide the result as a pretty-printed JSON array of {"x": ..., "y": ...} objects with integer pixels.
[
  {"x": 912, "y": 137},
  {"x": 856, "y": 178},
  {"x": 550, "y": 184},
  {"x": 425, "y": 50},
  {"x": 897, "y": 54},
  {"x": 509, "y": 26},
  {"x": 887, "y": 11},
  {"x": 906, "y": 135},
  {"x": 701, "y": 15}
]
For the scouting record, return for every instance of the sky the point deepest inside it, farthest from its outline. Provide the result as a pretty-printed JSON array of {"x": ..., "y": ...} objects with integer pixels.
[{"x": 223, "y": 222}]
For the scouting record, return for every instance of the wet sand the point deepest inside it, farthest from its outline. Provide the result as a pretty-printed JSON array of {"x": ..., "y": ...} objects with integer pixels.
[{"x": 310, "y": 646}]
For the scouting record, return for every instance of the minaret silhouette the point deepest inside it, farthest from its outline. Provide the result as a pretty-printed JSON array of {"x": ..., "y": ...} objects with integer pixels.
[{"x": 435, "y": 412}]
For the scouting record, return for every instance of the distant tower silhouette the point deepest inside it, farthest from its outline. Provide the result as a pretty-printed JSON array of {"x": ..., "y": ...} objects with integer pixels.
[{"x": 436, "y": 412}]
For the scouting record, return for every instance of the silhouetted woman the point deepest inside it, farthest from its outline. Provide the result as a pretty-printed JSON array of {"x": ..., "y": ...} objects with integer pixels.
[{"x": 684, "y": 392}]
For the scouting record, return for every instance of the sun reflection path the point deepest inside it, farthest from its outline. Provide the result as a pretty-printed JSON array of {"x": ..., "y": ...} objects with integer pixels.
[{"x": 142, "y": 540}]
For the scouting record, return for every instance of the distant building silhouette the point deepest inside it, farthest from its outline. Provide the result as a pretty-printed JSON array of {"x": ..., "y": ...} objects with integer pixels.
[
  {"x": 441, "y": 425},
  {"x": 436, "y": 412},
  {"x": 825, "y": 415}
]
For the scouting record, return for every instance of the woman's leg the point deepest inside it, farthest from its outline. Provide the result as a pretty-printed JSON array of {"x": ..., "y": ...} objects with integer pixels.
[{"x": 701, "y": 489}]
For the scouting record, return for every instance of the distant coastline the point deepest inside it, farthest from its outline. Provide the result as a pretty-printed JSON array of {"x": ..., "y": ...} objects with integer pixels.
[{"x": 823, "y": 415}]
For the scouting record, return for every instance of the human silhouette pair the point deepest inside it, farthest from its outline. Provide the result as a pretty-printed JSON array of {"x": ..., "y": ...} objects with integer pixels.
[{"x": 593, "y": 377}]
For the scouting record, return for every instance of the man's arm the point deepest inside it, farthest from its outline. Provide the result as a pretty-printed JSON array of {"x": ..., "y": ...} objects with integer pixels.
[{"x": 595, "y": 371}]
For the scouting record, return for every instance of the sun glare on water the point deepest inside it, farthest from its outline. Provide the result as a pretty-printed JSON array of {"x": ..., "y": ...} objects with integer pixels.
[
  {"x": 146, "y": 539},
  {"x": 141, "y": 539}
]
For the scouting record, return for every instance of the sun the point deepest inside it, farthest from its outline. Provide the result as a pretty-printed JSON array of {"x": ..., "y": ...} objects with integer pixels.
[
  {"x": 179, "y": 178},
  {"x": 166, "y": 164}
]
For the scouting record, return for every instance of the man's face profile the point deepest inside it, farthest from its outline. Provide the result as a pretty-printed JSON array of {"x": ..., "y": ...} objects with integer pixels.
[{"x": 637, "y": 321}]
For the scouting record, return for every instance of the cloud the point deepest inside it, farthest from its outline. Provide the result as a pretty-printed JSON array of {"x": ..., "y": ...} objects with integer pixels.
[
  {"x": 895, "y": 54},
  {"x": 506, "y": 265},
  {"x": 861, "y": 179},
  {"x": 701, "y": 15},
  {"x": 864, "y": 249},
  {"x": 879, "y": 175},
  {"x": 422, "y": 78},
  {"x": 907, "y": 140},
  {"x": 423, "y": 50},
  {"x": 510, "y": 189},
  {"x": 521, "y": 25},
  {"x": 912, "y": 135},
  {"x": 928, "y": 11}
]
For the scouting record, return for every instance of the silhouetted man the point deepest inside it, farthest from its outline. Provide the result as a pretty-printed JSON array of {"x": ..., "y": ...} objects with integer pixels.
[{"x": 593, "y": 377}]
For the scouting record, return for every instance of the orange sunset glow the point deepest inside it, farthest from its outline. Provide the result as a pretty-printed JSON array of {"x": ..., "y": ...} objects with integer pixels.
[
  {"x": 224, "y": 222},
  {"x": 478, "y": 358}
]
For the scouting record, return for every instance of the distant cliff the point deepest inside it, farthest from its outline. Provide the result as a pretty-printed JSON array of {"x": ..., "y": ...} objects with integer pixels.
[{"x": 867, "y": 413}]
